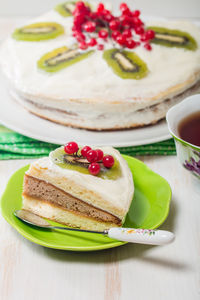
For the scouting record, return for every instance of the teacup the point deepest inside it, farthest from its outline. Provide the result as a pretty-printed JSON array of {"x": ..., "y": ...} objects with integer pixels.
[{"x": 188, "y": 154}]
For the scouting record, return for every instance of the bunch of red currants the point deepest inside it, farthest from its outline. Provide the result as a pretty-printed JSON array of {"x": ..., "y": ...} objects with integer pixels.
[{"x": 126, "y": 30}]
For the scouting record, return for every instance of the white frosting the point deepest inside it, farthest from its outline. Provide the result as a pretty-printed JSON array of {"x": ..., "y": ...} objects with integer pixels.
[
  {"x": 91, "y": 78},
  {"x": 118, "y": 193}
]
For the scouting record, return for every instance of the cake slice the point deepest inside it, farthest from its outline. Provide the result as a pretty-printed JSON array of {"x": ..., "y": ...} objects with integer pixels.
[{"x": 78, "y": 190}]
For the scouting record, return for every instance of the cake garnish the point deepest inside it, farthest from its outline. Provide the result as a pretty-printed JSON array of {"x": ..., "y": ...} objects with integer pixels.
[
  {"x": 96, "y": 28},
  {"x": 38, "y": 32},
  {"x": 86, "y": 160},
  {"x": 126, "y": 64},
  {"x": 62, "y": 57},
  {"x": 91, "y": 158},
  {"x": 173, "y": 38}
]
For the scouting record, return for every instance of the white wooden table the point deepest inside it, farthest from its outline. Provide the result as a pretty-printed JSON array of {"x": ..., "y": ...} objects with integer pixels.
[{"x": 32, "y": 272}]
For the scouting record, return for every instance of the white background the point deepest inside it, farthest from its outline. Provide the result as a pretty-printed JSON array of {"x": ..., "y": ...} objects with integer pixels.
[{"x": 166, "y": 8}]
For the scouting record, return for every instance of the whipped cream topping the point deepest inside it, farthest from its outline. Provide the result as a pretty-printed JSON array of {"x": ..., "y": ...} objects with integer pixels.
[
  {"x": 92, "y": 78},
  {"x": 117, "y": 193}
]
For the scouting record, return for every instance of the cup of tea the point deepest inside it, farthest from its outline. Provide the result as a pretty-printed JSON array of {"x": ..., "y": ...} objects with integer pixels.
[{"x": 183, "y": 122}]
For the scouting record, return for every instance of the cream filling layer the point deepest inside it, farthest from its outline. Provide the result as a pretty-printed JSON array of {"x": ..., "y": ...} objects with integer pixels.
[
  {"x": 116, "y": 194},
  {"x": 92, "y": 78}
]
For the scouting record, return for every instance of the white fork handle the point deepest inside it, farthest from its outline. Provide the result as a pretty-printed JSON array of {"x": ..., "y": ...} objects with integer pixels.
[{"x": 141, "y": 236}]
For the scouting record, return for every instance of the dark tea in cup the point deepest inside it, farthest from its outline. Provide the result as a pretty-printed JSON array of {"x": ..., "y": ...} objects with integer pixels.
[{"x": 189, "y": 129}]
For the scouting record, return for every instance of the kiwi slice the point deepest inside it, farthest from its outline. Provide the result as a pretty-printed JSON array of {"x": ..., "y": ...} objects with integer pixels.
[
  {"x": 173, "y": 38},
  {"x": 125, "y": 64},
  {"x": 80, "y": 164},
  {"x": 38, "y": 31},
  {"x": 61, "y": 58},
  {"x": 66, "y": 9}
]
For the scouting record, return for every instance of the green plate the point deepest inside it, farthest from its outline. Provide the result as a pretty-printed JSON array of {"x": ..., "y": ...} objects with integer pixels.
[{"x": 149, "y": 209}]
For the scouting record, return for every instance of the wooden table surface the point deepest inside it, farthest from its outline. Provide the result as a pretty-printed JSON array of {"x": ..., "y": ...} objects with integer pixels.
[{"x": 31, "y": 272}]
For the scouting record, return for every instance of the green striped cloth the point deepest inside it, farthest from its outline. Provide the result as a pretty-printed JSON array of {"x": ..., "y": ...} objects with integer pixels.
[{"x": 16, "y": 146}]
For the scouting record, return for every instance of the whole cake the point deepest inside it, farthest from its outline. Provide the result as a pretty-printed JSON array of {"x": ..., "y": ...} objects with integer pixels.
[
  {"x": 80, "y": 187},
  {"x": 81, "y": 66}
]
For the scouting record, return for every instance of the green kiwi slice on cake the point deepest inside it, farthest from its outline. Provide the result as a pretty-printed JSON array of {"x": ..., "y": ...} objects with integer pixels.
[
  {"x": 62, "y": 57},
  {"x": 80, "y": 164},
  {"x": 173, "y": 38},
  {"x": 38, "y": 31},
  {"x": 125, "y": 64}
]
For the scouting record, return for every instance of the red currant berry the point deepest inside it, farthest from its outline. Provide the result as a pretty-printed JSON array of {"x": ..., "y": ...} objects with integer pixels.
[
  {"x": 136, "y": 13},
  {"x": 71, "y": 148},
  {"x": 144, "y": 38},
  {"x": 114, "y": 25},
  {"x": 126, "y": 21},
  {"x": 99, "y": 154},
  {"x": 80, "y": 37},
  {"x": 123, "y": 6},
  {"x": 85, "y": 150},
  {"x": 147, "y": 47},
  {"x": 93, "y": 15},
  {"x": 137, "y": 22},
  {"x": 94, "y": 168},
  {"x": 139, "y": 30},
  {"x": 115, "y": 34},
  {"x": 103, "y": 34},
  {"x": 127, "y": 33},
  {"x": 108, "y": 161},
  {"x": 80, "y": 5},
  {"x": 83, "y": 45},
  {"x": 91, "y": 156},
  {"x": 120, "y": 40},
  {"x": 78, "y": 20},
  {"x": 100, "y": 7},
  {"x": 89, "y": 26},
  {"x": 130, "y": 43},
  {"x": 92, "y": 42},
  {"x": 109, "y": 18},
  {"x": 150, "y": 34},
  {"x": 100, "y": 47}
]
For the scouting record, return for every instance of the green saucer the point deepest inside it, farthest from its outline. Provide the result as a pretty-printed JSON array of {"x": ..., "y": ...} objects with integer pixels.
[{"x": 149, "y": 209}]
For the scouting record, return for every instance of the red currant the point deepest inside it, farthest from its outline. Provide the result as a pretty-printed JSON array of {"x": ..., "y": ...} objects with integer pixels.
[
  {"x": 130, "y": 43},
  {"x": 123, "y": 6},
  {"x": 120, "y": 40},
  {"x": 127, "y": 33},
  {"x": 92, "y": 42},
  {"x": 139, "y": 30},
  {"x": 83, "y": 45},
  {"x": 150, "y": 34},
  {"x": 80, "y": 37},
  {"x": 115, "y": 34},
  {"x": 147, "y": 47},
  {"x": 126, "y": 21},
  {"x": 136, "y": 13},
  {"x": 100, "y": 7},
  {"x": 100, "y": 47},
  {"x": 85, "y": 150},
  {"x": 144, "y": 38},
  {"x": 89, "y": 26},
  {"x": 80, "y": 5},
  {"x": 94, "y": 168},
  {"x": 137, "y": 22},
  {"x": 103, "y": 34},
  {"x": 99, "y": 154},
  {"x": 71, "y": 148},
  {"x": 114, "y": 25},
  {"x": 92, "y": 156},
  {"x": 108, "y": 161}
]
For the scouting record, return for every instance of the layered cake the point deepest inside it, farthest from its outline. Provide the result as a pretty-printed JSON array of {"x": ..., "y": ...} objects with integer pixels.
[
  {"x": 80, "y": 187},
  {"x": 85, "y": 67}
]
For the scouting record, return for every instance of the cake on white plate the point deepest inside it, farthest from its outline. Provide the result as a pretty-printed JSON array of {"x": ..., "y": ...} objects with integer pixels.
[
  {"x": 81, "y": 66},
  {"x": 80, "y": 187}
]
